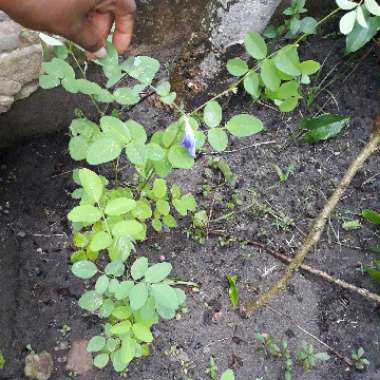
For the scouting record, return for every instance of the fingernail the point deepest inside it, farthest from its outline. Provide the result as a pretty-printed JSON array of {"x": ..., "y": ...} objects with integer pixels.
[{"x": 101, "y": 53}]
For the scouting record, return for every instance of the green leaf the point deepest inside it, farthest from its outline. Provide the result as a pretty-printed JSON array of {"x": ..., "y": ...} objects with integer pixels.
[
  {"x": 137, "y": 131},
  {"x": 180, "y": 158},
  {"x": 228, "y": 375},
  {"x": 142, "y": 68},
  {"x": 86, "y": 87},
  {"x": 120, "y": 206},
  {"x": 218, "y": 139},
  {"x": 136, "y": 153},
  {"x": 371, "y": 216},
  {"x": 121, "y": 328},
  {"x": 347, "y": 22},
  {"x": 90, "y": 301},
  {"x": 118, "y": 361},
  {"x": 91, "y": 183},
  {"x": 373, "y": 273},
  {"x": 360, "y": 17},
  {"x": 255, "y": 45},
  {"x": 100, "y": 241},
  {"x": 128, "y": 349},
  {"x": 309, "y": 25},
  {"x": 159, "y": 188},
  {"x": 123, "y": 289},
  {"x": 163, "y": 88},
  {"x": 169, "y": 99},
  {"x": 122, "y": 312},
  {"x": 84, "y": 214},
  {"x": 154, "y": 152},
  {"x": 138, "y": 296},
  {"x": 170, "y": 134},
  {"x": 102, "y": 150},
  {"x": 361, "y": 36},
  {"x": 106, "y": 309},
  {"x": 244, "y": 125},
  {"x": 288, "y": 105},
  {"x": 232, "y": 290},
  {"x": 115, "y": 128},
  {"x": 115, "y": 268},
  {"x": 143, "y": 333},
  {"x": 237, "y": 67},
  {"x": 373, "y": 7},
  {"x": 102, "y": 284},
  {"x": 252, "y": 84},
  {"x": 287, "y": 61},
  {"x": 213, "y": 114},
  {"x": 323, "y": 127},
  {"x": 346, "y": 5},
  {"x": 84, "y": 269},
  {"x": 310, "y": 67},
  {"x": 169, "y": 221},
  {"x": 288, "y": 90},
  {"x": 50, "y": 41},
  {"x": 78, "y": 147},
  {"x": 163, "y": 207},
  {"x": 158, "y": 272},
  {"x": 165, "y": 296},
  {"x": 139, "y": 268},
  {"x": 58, "y": 68},
  {"x": 127, "y": 96},
  {"x": 101, "y": 360},
  {"x": 96, "y": 344},
  {"x": 127, "y": 228},
  {"x": 351, "y": 225},
  {"x": 270, "y": 76},
  {"x": 47, "y": 82},
  {"x": 157, "y": 225}
]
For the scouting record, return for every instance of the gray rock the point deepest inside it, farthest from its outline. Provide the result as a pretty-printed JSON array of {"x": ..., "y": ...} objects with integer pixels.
[{"x": 39, "y": 366}]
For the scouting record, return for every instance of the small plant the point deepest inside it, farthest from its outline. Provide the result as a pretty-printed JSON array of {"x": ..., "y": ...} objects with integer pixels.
[
  {"x": 309, "y": 358},
  {"x": 360, "y": 23},
  {"x": 373, "y": 271},
  {"x": 2, "y": 360},
  {"x": 232, "y": 290},
  {"x": 283, "y": 176},
  {"x": 212, "y": 369},
  {"x": 294, "y": 24},
  {"x": 359, "y": 360}
]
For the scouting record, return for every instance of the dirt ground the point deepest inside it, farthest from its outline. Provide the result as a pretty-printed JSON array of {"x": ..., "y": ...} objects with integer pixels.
[{"x": 38, "y": 293}]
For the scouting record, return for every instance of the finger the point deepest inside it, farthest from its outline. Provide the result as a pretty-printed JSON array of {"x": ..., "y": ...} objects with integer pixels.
[
  {"x": 123, "y": 33},
  {"x": 94, "y": 32}
]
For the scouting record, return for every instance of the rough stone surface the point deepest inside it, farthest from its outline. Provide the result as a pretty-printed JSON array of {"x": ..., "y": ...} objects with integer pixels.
[
  {"x": 79, "y": 360},
  {"x": 20, "y": 62},
  {"x": 39, "y": 366}
]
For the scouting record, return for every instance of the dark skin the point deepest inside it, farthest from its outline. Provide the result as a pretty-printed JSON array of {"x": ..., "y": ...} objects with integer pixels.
[{"x": 85, "y": 22}]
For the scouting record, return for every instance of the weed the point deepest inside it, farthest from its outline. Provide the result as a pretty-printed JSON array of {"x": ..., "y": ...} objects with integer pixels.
[{"x": 359, "y": 360}]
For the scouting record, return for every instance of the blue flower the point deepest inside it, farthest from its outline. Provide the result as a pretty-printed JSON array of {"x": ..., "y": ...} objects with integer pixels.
[{"x": 188, "y": 140}]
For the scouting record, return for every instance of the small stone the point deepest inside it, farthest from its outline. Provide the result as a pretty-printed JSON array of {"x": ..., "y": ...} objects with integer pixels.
[
  {"x": 78, "y": 359},
  {"x": 38, "y": 366},
  {"x": 21, "y": 234}
]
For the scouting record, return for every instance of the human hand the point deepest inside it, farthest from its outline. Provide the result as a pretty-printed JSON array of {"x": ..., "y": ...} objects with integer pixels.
[{"x": 85, "y": 22}]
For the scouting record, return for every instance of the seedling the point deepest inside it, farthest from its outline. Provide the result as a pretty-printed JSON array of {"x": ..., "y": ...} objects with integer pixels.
[
  {"x": 359, "y": 360},
  {"x": 212, "y": 369},
  {"x": 2, "y": 360},
  {"x": 309, "y": 358},
  {"x": 232, "y": 290},
  {"x": 283, "y": 176}
]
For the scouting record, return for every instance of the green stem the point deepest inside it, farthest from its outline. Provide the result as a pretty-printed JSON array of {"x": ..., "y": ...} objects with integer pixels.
[{"x": 84, "y": 77}]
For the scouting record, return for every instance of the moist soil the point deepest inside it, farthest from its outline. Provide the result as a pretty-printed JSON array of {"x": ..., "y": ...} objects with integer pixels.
[{"x": 38, "y": 298}]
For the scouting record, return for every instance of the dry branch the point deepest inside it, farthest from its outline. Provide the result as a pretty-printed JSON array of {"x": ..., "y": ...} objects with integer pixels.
[{"x": 319, "y": 224}]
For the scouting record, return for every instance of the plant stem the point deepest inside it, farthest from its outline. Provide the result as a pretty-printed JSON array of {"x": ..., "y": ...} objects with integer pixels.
[{"x": 101, "y": 113}]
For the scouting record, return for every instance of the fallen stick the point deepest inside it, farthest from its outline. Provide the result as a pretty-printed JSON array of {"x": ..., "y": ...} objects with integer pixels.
[
  {"x": 319, "y": 224},
  {"x": 306, "y": 268}
]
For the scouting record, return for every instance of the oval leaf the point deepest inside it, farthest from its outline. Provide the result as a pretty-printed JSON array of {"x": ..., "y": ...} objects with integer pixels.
[
  {"x": 255, "y": 45},
  {"x": 244, "y": 125},
  {"x": 84, "y": 269}
]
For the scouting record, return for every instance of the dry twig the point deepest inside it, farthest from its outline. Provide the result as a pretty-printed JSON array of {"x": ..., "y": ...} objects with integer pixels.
[{"x": 319, "y": 225}]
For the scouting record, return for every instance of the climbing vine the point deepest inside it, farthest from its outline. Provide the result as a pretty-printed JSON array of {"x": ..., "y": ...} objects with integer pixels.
[{"x": 111, "y": 217}]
